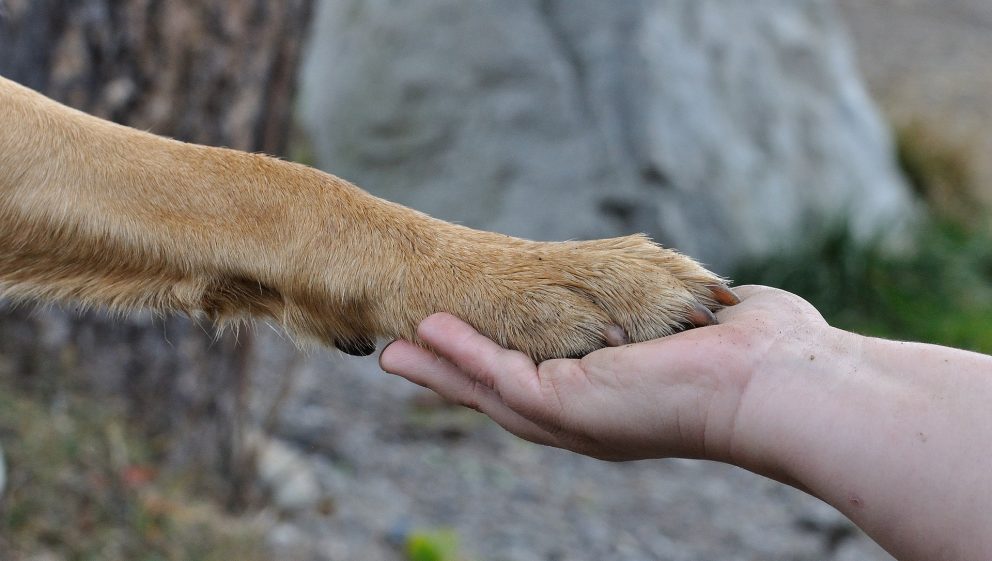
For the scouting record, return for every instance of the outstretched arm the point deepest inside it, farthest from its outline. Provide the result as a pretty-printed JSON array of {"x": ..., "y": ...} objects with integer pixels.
[{"x": 897, "y": 436}]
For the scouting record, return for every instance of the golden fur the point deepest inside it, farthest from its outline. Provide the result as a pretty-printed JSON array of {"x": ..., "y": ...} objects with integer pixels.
[{"x": 101, "y": 214}]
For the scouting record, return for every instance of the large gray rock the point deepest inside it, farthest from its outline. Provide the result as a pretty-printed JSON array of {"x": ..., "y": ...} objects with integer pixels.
[{"x": 725, "y": 128}]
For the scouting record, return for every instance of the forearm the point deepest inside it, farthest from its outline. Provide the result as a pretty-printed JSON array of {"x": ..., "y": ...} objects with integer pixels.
[
  {"x": 192, "y": 206},
  {"x": 86, "y": 204},
  {"x": 895, "y": 435}
]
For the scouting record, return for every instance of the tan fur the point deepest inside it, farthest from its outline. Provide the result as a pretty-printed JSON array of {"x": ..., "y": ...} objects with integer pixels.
[{"x": 101, "y": 214}]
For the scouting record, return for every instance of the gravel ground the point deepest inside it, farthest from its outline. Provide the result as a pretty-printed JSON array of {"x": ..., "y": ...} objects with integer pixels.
[{"x": 387, "y": 459}]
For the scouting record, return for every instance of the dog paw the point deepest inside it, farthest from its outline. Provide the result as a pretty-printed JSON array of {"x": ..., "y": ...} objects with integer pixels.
[{"x": 556, "y": 300}]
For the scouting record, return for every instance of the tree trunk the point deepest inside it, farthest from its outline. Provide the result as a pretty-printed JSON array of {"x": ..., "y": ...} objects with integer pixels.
[{"x": 218, "y": 72}]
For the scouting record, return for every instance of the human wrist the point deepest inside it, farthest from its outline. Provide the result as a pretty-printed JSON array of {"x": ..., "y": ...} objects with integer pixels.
[
  {"x": 790, "y": 395},
  {"x": 873, "y": 429}
]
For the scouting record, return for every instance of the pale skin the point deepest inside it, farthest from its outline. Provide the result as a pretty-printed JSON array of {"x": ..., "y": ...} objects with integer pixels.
[{"x": 897, "y": 436}]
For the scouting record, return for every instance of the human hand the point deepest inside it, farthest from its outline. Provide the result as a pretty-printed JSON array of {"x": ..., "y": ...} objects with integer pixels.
[
  {"x": 678, "y": 396},
  {"x": 892, "y": 434}
]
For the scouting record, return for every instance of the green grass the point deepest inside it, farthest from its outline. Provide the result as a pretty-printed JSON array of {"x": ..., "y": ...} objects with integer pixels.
[
  {"x": 940, "y": 293},
  {"x": 81, "y": 488},
  {"x": 437, "y": 545}
]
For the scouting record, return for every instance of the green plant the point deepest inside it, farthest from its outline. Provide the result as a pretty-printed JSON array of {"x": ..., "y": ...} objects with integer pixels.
[
  {"x": 437, "y": 545},
  {"x": 939, "y": 293},
  {"x": 81, "y": 487}
]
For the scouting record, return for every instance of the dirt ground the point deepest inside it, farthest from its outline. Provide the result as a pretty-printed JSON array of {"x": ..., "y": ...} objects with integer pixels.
[{"x": 930, "y": 62}]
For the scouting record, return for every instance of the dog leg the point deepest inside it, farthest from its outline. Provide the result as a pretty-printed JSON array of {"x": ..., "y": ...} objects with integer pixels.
[{"x": 100, "y": 214}]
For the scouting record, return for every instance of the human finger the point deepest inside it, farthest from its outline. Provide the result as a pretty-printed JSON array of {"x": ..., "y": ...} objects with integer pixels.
[
  {"x": 423, "y": 368},
  {"x": 770, "y": 302},
  {"x": 510, "y": 374}
]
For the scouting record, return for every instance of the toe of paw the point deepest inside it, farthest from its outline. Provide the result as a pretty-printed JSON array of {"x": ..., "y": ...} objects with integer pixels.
[
  {"x": 360, "y": 346},
  {"x": 700, "y": 316},
  {"x": 723, "y": 294}
]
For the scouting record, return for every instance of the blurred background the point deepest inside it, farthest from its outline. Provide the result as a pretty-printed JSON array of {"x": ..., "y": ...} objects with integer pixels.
[{"x": 834, "y": 149}]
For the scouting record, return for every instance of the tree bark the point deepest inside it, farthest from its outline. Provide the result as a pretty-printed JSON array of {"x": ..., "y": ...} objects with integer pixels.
[{"x": 218, "y": 72}]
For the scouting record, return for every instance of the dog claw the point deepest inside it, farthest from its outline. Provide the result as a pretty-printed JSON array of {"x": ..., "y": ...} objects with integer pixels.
[
  {"x": 361, "y": 347},
  {"x": 701, "y": 316},
  {"x": 724, "y": 295}
]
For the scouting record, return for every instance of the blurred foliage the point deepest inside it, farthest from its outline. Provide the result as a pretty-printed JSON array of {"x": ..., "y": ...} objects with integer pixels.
[
  {"x": 937, "y": 293},
  {"x": 81, "y": 487},
  {"x": 940, "y": 170},
  {"x": 437, "y": 545}
]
